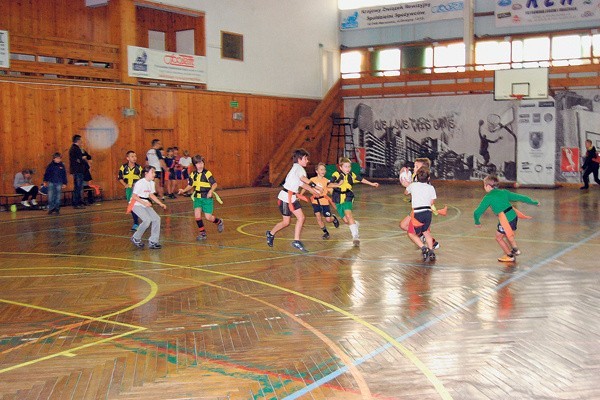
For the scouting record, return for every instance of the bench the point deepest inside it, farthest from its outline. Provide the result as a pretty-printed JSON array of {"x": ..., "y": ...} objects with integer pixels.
[{"x": 8, "y": 199}]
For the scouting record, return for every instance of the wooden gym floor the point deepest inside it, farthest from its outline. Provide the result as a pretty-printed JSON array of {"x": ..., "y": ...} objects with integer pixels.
[{"x": 85, "y": 315}]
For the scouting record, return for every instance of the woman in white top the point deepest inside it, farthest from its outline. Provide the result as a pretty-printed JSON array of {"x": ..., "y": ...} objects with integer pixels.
[{"x": 143, "y": 191}]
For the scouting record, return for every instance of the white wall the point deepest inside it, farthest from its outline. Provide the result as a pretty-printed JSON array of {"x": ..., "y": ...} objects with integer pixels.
[{"x": 282, "y": 56}]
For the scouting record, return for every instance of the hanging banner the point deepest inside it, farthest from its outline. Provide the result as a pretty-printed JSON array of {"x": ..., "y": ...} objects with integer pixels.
[
  {"x": 164, "y": 65},
  {"x": 401, "y": 14},
  {"x": 536, "y": 12},
  {"x": 4, "y": 50},
  {"x": 536, "y": 157}
]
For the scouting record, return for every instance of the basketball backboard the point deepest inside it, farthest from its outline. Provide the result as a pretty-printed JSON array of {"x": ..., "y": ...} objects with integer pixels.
[{"x": 523, "y": 83}]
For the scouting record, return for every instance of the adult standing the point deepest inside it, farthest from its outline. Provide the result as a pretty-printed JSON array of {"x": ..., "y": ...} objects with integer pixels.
[
  {"x": 77, "y": 164},
  {"x": 590, "y": 165},
  {"x": 24, "y": 186},
  {"x": 155, "y": 158}
]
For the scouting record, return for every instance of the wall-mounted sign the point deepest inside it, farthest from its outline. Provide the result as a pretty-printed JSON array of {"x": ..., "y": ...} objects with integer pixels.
[
  {"x": 164, "y": 65},
  {"x": 401, "y": 14},
  {"x": 4, "y": 51},
  {"x": 536, "y": 12},
  {"x": 234, "y": 104}
]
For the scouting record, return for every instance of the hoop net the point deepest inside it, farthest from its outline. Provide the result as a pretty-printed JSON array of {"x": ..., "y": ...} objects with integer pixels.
[
  {"x": 493, "y": 122},
  {"x": 517, "y": 97}
]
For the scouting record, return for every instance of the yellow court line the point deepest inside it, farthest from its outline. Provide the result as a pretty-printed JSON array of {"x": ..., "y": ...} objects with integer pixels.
[
  {"x": 438, "y": 385},
  {"x": 69, "y": 353}
]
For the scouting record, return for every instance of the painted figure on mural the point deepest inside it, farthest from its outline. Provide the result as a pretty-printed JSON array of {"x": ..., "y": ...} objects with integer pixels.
[{"x": 484, "y": 144}]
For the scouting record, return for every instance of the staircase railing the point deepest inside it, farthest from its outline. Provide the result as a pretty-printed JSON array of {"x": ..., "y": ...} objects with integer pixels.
[{"x": 308, "y": 133}]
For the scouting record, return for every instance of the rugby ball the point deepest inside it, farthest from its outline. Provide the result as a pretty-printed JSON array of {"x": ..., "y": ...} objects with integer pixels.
[{"x": 405, "y": 177}]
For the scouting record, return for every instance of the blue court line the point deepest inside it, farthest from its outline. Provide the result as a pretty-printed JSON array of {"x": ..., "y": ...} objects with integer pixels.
[{"x": 439, "y": 318}]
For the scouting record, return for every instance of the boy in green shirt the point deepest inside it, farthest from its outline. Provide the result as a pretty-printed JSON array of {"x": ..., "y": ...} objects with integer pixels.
[{"x": 499, "y": 200}]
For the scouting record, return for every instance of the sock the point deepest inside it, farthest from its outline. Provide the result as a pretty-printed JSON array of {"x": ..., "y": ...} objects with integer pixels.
[
  {"x": 324, "y": 229},
  {"x": 200, "y": 225},
  {"x": 354, "y": 230},
  {"x": 217, "y": 221}
]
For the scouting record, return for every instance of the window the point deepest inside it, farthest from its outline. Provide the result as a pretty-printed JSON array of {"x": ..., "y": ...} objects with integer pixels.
[
  {"x": 156, "y": 40},
  {"x": 492, "y": 54},
  {"x": 232, "y": 46},
  {"x": 449, "y": 58},
  {"x": 531, "y": 52},
  {"x": 387, "y": 62},
  {"x": 570, "y": 49},
  {"x": 351, "y": 63}
]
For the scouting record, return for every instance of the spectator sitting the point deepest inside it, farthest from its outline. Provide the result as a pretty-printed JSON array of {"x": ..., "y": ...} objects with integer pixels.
[{"x": 24, "y": 186}]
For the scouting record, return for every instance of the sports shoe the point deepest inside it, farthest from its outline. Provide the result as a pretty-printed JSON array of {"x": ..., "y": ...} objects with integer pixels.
[
  {"x": 431, "y": 255},
  {"x": 25, "y": 203},
  {"x": 34, "y": 202},
  {"x": 583, "y": 188},
  {"x": 356, "y": 241},
  {"x": 152, "y": 245},
  {"x": 220, "y": 226},
  {"x": 516, "y": 252},
  {"x": 425, "y": 252},
  {"x": 137, "y": 242},
  {"x": 201, "y": 237},
  {"x": 270, "y": 238},
  {"x": 325, "y": 235},
  {"x": 506, "y": 258},
  {"x": 134, "y": 227},
  {"x": 336, "y": 222},
  {"x": 298, "y": 245}
]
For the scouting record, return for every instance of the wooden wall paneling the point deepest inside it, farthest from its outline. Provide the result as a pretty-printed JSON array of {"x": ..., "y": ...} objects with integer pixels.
[
  {"x": 200, "y": 35},
  {"x": 158, "y": 109},
  {"x": 262, "y": 124},
  {"x": 234, "y": 104},
  {"x": 184, "y": 114},
  {"x": 7, "y": 125},
  {"x": 201, "y": 124}
]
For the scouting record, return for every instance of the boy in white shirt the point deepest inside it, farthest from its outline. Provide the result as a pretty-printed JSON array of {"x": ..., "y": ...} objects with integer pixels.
[
  {"x": 423, "y": 196},
  {"x": 143, "y": 191},
  {"x": 288, "y": 201}
]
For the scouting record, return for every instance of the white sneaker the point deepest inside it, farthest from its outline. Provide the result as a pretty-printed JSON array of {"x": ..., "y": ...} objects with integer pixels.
[
  {"x": 26, "y": 203},
  {"x": 34, "y": 202}
]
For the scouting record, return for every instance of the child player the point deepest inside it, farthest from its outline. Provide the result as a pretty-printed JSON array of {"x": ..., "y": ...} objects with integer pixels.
[
  {"x": 422, "y": 198},
  {"x": 143, "y": 191},
  {"x": 419, "y": 163},
  {"x": 320, "y": 204},
  {"x": 499, "y": 200},
  {"x": 343, "y": 197},
  {"x": 129, "y": 174},
  {"x": 288, "y": 201},
  {"x": 204, "y": 184}
]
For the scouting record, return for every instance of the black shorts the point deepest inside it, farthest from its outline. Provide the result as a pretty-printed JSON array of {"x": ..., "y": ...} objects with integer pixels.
[
  {"x": 324, "y": 210},
  {"x": 284, "y": 208},
  {"x": 513, "y": 225},
  {"x": 158, "y": 175},
  {"x": 423, "y": 217}
]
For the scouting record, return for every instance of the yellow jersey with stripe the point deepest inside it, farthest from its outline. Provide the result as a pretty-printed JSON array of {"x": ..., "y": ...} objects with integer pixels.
[
  {"x": 130, "y": 174},
  {"x": 201, "y": 182},
  {"x": 343, "y": 193}
]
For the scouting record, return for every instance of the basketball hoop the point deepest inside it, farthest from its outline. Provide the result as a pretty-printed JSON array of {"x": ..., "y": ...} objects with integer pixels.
[
  {"x": 517, "y": 97},
  {"x": 494, "y": 122}
]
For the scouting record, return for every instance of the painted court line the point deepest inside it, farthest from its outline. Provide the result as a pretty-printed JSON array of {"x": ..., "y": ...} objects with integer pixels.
[{"x": 441, "y": 317}]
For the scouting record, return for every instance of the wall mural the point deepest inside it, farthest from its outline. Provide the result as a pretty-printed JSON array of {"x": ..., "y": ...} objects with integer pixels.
[{"x": 468, "y": 137}]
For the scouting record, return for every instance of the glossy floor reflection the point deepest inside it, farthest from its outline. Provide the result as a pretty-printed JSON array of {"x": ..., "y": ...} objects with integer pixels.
[{"x": 84, "y": 314}]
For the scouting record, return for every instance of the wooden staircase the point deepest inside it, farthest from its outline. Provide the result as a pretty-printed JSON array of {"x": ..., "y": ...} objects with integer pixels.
[{"x": 308, "y": 133}]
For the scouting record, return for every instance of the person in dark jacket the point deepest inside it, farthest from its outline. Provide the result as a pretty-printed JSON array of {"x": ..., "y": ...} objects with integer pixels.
[
  {"x": 590, "y": 165},
  {"x": 77, "y": 164},
  {"x": 55, "y": 179}
]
